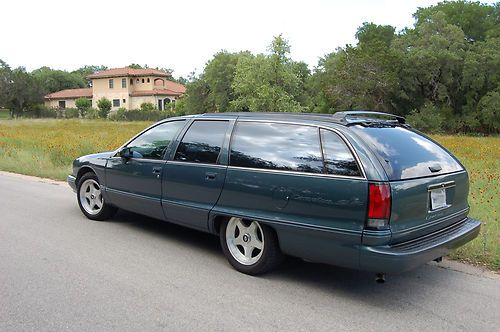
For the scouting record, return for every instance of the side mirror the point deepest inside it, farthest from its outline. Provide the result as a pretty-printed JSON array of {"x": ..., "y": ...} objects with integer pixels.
[{"x": 125, "y": 153}]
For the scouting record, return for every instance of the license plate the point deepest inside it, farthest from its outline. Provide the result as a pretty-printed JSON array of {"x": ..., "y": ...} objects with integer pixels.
[{"x": 438, "y": 198}]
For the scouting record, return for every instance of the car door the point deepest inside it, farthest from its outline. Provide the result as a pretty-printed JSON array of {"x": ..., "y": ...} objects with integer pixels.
[
  {"x": 134, "y": 183},
  {"x": 194, "y": 178}
]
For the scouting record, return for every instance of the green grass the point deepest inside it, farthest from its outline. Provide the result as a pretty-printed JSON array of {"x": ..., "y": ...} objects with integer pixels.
[{"x": 47, "y": 147}]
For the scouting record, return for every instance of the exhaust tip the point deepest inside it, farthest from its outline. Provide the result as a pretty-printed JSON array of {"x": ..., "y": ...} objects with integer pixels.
[{"x": 380, "y": 278}]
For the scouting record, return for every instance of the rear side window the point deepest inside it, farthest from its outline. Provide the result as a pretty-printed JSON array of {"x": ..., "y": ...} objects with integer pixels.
[
  {"x": 276, "y": 146},
  {"x": 202, "y": 143},
  {"x": 405, "y": 154},
  {"x": 338, "y": 158}
]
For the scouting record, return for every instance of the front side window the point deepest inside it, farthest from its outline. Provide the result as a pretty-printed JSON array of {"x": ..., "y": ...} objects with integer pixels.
[
  {"x": 276, "y": 146},
  {"x": 111, "y": 83},
  {"x": 202, "y": 142},
  {"x": 153, "y": 143},
  {"x": 116, "y": 102},
  {"x": 338, "y": 158}
]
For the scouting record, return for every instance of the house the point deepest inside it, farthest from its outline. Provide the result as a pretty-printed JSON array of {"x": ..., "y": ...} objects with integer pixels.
[{"x": 124, "y": 87}]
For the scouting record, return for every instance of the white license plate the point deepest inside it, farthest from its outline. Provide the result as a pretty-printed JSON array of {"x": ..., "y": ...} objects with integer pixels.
[{"x": 438, "y": 198}]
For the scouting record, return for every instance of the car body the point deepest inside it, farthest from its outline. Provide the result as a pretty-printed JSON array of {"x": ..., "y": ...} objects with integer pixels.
[{"x": 360, "y": 190}]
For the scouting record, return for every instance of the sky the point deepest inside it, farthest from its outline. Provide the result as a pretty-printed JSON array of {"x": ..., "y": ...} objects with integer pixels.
[{"x": 184, "y": 34}]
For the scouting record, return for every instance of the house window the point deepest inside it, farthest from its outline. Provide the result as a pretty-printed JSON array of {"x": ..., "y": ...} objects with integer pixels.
[
  {"x": 111, "y": 83},
  {"x": 116, "y": 102},
  {"x": 137, "y": 80},
  {"x": 124, "y": 82},
  {"x": 131, "y": 81},
  {"x": 124, "y": 101},
  {"x": 143, "y": 80},
  {"x": 62, "y": 103},
  {"x": 148, "y": 80}
]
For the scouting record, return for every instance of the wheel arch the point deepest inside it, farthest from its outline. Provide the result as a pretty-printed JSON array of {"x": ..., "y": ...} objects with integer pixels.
[{"x": 82, "y": 171}]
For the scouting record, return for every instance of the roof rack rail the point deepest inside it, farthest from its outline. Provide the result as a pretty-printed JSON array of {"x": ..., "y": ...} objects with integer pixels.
[{"x": 347, "y": 117}]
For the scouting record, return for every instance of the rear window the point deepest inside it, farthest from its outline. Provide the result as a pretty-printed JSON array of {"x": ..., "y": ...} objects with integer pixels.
[{"x": 404, "y": 154}]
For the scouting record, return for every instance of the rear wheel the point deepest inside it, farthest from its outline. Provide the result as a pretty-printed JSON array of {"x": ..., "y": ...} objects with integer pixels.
[
  {"x": 90, "y": 199},
  {"x": 249, "y": 246}
]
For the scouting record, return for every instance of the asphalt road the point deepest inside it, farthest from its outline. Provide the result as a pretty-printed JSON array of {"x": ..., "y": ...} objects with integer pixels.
[{"x": 60, "y": 271}]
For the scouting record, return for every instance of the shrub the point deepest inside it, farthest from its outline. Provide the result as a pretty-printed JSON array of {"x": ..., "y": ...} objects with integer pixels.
[
  {"x": 427, "y": 119},
  {"x": 92, "y": 113},
  {"x": 71, "y": 113},
  {"x": 119, "y": 115},
  {"x": 40, "y": 111},
  {"x": 104, "y": 106},
  {"x": 147, "y": 107},
  {"x": 83, "y": 105}
]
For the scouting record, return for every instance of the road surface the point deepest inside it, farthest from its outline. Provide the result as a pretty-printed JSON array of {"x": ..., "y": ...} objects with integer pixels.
[{"x": 60, "y": 271}]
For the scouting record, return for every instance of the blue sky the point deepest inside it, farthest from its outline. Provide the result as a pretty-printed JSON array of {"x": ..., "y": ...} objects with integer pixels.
[{"x": 184, "y": 34}]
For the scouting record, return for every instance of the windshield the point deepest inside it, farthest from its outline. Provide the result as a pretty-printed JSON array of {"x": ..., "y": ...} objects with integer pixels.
[{"x": 405, "y": 154}]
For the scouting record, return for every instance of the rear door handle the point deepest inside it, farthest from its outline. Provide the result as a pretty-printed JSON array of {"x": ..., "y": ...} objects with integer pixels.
[
  {"x": 156, "y": 170},
  {"x": 210, "y": 176}
]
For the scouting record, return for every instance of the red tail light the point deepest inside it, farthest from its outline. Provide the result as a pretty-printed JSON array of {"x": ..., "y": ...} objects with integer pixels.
[{"x": 379, "y": 205}]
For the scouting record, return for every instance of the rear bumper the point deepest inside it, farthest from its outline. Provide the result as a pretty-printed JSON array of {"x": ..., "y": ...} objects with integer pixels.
[
  {"x": 72, "y": 182},
  {"x": 408, "y": 255}
]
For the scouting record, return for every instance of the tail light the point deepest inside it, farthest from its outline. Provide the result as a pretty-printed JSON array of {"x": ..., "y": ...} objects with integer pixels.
[{"x": 379, "y": 206}]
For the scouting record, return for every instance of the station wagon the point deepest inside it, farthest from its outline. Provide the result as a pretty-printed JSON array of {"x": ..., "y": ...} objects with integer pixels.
[{"x": 361, "y": 190}]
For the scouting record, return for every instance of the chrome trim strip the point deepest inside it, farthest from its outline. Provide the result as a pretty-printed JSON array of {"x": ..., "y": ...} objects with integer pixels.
[
  {"x": 265, "y": 170},
  {"x": 443, "y": 185},
  {"x": 291, "y": 223},
  {"x": 126, "y": 193},
  {"x": 342, "y": 136},
  {"x": 188, "y": 163},
  {"x": 431, "y": 223}
]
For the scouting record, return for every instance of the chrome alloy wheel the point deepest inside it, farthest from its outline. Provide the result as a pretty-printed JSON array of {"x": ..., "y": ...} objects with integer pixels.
[
  {"x": 245, "y": 240},
  {"x": 91, "y": 197}
]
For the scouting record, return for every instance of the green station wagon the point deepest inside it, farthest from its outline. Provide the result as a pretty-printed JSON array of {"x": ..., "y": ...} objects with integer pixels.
[{"x": 360, "y": 190}]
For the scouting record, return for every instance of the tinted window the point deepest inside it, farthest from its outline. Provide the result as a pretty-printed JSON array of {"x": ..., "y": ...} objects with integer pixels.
[
  {"x": 338, "y": 158},
  {"x": 276, "y": 146},
  {"x": 405, "y": 154},
  {"x": 202, "y": 142},
  {"x": 152, "y": 143}
]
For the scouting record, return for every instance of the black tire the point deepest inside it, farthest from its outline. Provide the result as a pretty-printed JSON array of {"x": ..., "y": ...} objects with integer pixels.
[
  {"x": 105, "y": 212},
  {"x": 270, "y": 258}
]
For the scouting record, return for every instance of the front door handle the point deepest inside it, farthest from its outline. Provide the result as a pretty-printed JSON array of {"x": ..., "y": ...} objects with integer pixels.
[
  {"x": 210, "y": 176},
  {"x": 157, "y": 171}
]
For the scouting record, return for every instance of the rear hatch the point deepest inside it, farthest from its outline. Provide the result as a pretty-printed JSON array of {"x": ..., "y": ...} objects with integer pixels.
[{"x": 429, "y": 187}]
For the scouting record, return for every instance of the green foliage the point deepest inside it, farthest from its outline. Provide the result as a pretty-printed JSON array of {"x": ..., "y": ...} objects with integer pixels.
[
  {"x": 427, "y": 119},
  {"x": 147, "y": 107},
  {"x": 475, "y": 19},
  {"x": 104, "y": 106},
  {"x": 71, "y": 113},
  {"x": 83, "y": 105},
  {"x": 268, "y": 83}
]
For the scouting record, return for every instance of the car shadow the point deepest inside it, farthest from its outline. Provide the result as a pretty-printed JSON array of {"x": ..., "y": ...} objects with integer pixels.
[{"x": 395, "y": 293}]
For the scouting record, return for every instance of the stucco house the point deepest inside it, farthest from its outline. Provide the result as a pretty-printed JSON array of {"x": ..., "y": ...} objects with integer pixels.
[{"x": 124, "y": 87}]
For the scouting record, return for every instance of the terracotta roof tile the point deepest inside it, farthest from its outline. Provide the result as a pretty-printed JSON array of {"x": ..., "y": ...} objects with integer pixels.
[
  {"x": 70, "y": 94},
  {"x": 117, "y": 72},
  {"x": 170, "y": 89}
]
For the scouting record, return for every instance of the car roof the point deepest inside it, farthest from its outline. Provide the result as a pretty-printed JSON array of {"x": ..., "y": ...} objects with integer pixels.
[{"x": 345, "y": 118}]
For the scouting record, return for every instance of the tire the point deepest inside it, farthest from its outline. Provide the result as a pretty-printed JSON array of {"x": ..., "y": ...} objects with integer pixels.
[
  {"x": 90, "y": 199},
  {"x": 250, "y": 247}
]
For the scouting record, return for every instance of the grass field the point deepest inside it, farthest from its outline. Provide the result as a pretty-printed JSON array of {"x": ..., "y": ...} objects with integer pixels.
[{"x": 46, "y": 148}]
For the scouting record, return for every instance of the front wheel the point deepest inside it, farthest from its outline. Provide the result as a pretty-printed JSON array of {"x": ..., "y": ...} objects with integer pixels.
[
  {"x": 90, "y": 199},
  {"x": 250, "y": 247}
]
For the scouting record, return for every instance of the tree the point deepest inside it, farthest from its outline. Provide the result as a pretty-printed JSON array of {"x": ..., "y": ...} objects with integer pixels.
[
  {"x": 50, "y": 80},
  {"x": 104, "y": 106},
  {"x": 85, "y": 71},
  {"x": 268, "y": 82},
  {"x": 83, "y": 105},
  {"x": 475, "y": 19}
]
